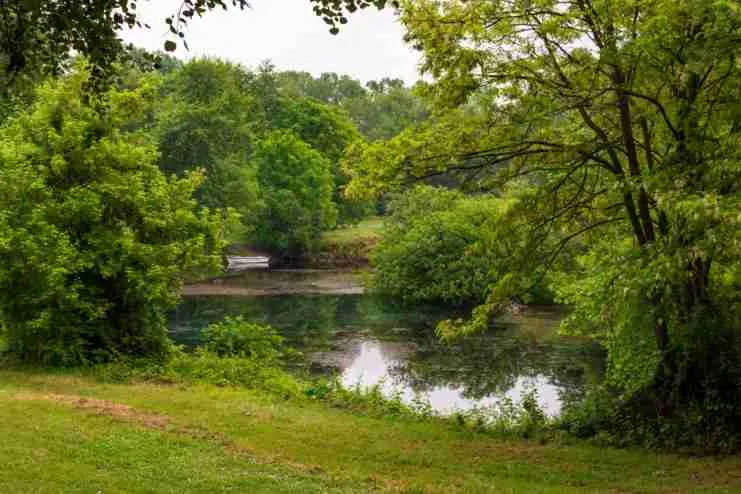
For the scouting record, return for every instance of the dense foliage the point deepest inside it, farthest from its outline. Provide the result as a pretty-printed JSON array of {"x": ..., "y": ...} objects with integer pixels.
[
  {"x": 328, "y": 130},
  {"x": 235, "y": 337},
  {"x": 297, "y": 183},
  {"x": 207, "y": 122},
  {"x": 619, "y": 123},
  {"x": 431, "y": 248},
  {"x": 214, "y": 117},
  {"x": 94, "y": 240},
  {"x": 381, "y": 110}
]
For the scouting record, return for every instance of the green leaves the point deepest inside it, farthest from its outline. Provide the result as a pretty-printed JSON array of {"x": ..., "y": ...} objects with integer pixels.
[
  {"x": 235, "y": 337},
  {"x": 432, "y": 247},
  {"x": 615, "y": 125},
  {"x": 208, "y": 122},
  {"x": 95, "y": 241},
  {"x": 215, "y": 115},
  {"x": 298, "y": 186},
  {"x": 333, "y": 11}
]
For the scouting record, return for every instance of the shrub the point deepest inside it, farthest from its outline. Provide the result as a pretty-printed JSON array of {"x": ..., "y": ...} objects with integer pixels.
[
  {"x": 234, "y": 337},
  {"x": 587, "y": 418},
  {"x": 207, "y": 367},
  {"x": 94, "y": 239},
  {"x": 524, "y": 419},
  {"x": 431, "y": 247},
  {"x": 3, "y": 343}
]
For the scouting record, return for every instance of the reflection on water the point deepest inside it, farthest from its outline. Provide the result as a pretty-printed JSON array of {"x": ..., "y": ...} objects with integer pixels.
[
  {"x": 375, "y": 365},
  {"x": 368, "y": 341}
]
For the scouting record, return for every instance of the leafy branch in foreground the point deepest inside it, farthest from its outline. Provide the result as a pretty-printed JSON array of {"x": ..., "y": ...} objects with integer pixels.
[{"x": 37, "y": 37}]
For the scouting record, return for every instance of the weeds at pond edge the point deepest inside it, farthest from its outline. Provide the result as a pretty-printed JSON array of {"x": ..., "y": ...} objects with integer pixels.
[
  {"x": 524, "y": 419},
  {"x": 229, "y": 359},
  {"x": 507, "y": 419}
]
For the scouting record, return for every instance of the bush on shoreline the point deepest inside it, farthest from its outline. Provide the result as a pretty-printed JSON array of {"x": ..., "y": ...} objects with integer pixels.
[
  {"x": 95, "y": 240},
  {"x": 248, "y": 356}
]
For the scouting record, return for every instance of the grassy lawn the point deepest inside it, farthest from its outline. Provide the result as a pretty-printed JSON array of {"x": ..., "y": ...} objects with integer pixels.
[
  {"x": 366, "y": 229},
  {"x": 72, "y": 434}
]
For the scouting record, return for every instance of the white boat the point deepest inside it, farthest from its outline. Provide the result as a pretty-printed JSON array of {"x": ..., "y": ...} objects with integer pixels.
[{"x": 240, "y": 263}]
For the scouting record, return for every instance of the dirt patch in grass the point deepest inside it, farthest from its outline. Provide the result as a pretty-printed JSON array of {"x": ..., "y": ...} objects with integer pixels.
[
  {"x": 108, "y": 408},
  {"x": 714, "y": 474},
  {"x": 390, "y": 485},
  {"x": 128, "y": 414}
]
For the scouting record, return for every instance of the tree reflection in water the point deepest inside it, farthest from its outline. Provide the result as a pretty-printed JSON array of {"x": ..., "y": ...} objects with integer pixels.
[{"x": 370, "y": 341}]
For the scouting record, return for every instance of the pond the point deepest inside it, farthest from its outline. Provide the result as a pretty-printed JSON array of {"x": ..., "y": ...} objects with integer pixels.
[{"x": 367, "y": 340}]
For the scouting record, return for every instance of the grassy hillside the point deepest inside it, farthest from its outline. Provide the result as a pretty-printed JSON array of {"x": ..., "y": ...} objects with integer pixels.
[
  {"x": 347, "y": 247},
  {"x": 368, "y": 229},
  {"x": 68, "y": 434}
]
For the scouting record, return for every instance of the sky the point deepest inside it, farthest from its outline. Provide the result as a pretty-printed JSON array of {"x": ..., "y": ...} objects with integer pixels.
[{"x": 290, "y": 35}]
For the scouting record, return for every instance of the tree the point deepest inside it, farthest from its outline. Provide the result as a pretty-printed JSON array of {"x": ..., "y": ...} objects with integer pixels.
[
  {"x": 388, "y": 108},
  {"x": 326, "y": 129},
  {"x": 380, "y": 110},
  {"x": 297, "y": 185},
  {"x": 94, "y": 240},
  {"x": 328, "y": 88},
  {"x": 289, "y": 102},
  {"x": 329, "y": 131},
  {"x": 622, "y": 117},
  {"x": 214, "y": 113},
  {"x": 209, "y": 122}
]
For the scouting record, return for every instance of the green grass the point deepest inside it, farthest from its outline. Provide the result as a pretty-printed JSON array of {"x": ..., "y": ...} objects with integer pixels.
[
  {"x": 62, "y": 433},
  {"x": 367, "y": 229}
]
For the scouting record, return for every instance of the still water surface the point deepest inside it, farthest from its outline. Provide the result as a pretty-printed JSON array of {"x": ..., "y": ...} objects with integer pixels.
[{"x": 367, "y": 341}]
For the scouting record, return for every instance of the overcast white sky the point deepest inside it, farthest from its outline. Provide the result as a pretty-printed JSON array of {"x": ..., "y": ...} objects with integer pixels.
[{"x": 288, "y": 33}]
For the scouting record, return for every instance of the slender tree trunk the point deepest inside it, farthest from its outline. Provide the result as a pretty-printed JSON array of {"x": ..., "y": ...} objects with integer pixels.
[
  {"x": 697, "y": 284},
  {"x": 662, "y": 334},
  {"x": 648, "y": 146},
  {"x": 626, "y": 125}
]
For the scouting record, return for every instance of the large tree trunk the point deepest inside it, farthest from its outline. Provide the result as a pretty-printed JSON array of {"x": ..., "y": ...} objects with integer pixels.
[{"x": 695, "y": 296}]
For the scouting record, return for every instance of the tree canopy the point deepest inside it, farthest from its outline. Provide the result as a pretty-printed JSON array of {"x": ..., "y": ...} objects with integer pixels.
[
  {"x": 380, "y": 109},
  {"x": 431, "y": 247},
  {"x": 619, "y": 124},
  {"x": 209, "y": 121},
  {"x": 95, "y": 241},
  {"x": 297, "y": 183},
  {"x": 213, "y": 115}
]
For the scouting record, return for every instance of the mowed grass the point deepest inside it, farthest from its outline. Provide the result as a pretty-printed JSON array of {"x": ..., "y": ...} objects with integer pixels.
[
  {"x": 368, "y": 229},
  {"x": 62, "y": 433}
]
